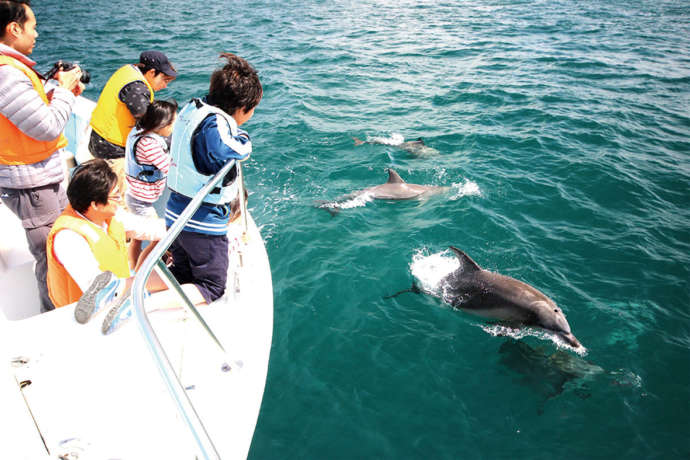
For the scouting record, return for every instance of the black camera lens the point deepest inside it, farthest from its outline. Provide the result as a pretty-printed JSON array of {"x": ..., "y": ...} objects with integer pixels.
[{"x": 65, "y": 66}]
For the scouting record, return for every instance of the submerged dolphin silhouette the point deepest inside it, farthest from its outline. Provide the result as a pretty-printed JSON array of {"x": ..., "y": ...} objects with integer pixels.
[
  {"x": 416, "y": 147},
  {"x": 394, "y": 189},
  {"x": 548, "y": 372},
  {"x": 501, "y": 297}
]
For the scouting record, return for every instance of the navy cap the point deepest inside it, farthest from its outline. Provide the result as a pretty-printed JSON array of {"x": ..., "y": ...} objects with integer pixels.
[{"x": 158, "y": 61}]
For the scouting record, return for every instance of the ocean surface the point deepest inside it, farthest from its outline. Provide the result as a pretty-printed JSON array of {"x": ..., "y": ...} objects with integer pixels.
[{"x": 563, "y": 131}]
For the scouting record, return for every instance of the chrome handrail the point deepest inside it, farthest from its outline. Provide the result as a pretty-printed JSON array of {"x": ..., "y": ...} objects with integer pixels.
[{"x": 184, "y": 404}]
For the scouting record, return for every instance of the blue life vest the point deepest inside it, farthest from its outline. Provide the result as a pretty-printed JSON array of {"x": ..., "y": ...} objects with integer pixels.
[
  {"x": 183, "y": 176},
  {"x": 145, "y": 173}
]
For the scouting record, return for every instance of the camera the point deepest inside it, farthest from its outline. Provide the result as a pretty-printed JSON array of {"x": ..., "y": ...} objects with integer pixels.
[{"x": 63, "y": 66}]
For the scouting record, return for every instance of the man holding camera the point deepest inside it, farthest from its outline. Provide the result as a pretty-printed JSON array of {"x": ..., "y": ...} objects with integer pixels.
[
  {"x": 31, "y": 139},
  {"x": 124, "y": 99}
]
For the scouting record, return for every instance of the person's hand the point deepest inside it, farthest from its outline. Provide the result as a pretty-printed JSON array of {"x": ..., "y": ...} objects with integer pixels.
[
  {"x": 70, "y": 80},
  {"x": 79, "y": 89}
]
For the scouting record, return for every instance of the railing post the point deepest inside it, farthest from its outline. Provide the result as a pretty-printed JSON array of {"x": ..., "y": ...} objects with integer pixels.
[{"x": 185, "y": 406}]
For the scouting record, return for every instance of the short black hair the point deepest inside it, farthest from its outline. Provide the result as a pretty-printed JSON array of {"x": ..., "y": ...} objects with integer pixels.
[
  {"x": 91, "y": 181},
  {"x": 13, "y": 11},
  {"x": 235, "y": 86},
  {"x": 159, "y": 114},
  {"x": 143, "y": 68}
]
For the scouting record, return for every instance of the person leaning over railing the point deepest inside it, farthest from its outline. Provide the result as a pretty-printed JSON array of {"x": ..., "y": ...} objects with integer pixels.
[
  {"x": 205, "y": 138},
  {"x": 31, "y": 139}
]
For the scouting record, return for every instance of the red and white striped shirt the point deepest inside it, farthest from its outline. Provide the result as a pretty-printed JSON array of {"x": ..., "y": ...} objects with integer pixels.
[{"x": 149, "y": 152}]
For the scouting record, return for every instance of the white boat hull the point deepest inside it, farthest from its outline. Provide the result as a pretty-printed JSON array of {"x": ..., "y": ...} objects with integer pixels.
[{"x": 103, "y": 396}]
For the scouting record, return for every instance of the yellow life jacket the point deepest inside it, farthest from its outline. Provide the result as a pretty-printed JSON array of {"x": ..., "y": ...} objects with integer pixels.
[
  {"x": 111, "y": 119},
  {"x": 109, "y": 248},
  {"x": 16, "y": 148}
]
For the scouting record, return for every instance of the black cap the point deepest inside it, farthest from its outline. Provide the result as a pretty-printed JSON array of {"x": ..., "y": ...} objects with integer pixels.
[{"x": 158, "y": 61}]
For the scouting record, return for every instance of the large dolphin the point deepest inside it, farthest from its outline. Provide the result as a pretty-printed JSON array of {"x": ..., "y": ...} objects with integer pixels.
[
  {"x": 394, "y": 189},
  {"x": 496, "y": 296},
  {"x": 416, "y": 147}
]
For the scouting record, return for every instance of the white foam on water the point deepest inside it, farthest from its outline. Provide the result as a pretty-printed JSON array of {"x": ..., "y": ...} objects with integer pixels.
[
  {"x": 518, "y": 333},
  {"x": 394, "y": 139},
  {"x": 357, "y": 201},
  {"x": 429, "y": 270},
  {"x": 465, "y": 188}
]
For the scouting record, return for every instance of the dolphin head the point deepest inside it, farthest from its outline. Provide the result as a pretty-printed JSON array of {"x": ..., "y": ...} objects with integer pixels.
[{"x": 550, "y": 317}]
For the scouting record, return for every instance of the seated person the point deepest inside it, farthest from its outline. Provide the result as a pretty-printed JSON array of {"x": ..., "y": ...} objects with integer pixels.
[{"x": 87, "y": 252}]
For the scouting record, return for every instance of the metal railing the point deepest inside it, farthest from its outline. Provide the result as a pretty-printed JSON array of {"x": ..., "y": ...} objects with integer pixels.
[{"x": 184, "y": 404}]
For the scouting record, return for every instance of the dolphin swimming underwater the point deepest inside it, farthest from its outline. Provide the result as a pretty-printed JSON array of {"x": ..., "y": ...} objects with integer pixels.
[
  {"x": 549, "y": 373},
  {"x": 394, "y": 189},
  {"x": 416, "y": 147},
  {"x": 501, "y": 297}
]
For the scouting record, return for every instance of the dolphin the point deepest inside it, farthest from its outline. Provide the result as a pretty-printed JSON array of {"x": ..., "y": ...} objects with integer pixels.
[
  {"x": 416, "y": 147},
  {"x": 547, "y": 373},
  {"x": 397, "y": 189},
  {"x": 500, "y": 297},
  {"x": 394, "y": 189}
]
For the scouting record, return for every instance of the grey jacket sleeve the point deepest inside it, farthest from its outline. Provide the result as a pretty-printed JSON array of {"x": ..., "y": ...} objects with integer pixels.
[{"x": 23, "y": 106}]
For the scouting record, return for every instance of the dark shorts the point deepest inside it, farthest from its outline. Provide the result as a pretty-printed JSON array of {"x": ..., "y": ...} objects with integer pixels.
[
  {"x": 100, "y": 148},
  {"x": 201, "y": 260}
]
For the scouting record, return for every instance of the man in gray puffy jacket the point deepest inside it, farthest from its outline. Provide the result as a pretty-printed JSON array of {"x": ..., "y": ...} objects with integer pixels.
[{"x": 31, "y": 139}]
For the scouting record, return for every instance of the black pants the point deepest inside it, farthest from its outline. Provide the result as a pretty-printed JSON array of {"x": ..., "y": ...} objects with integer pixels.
[{"x": 202, "y": 260}]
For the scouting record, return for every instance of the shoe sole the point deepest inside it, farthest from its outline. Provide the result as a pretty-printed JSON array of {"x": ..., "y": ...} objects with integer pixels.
[
  {"x": 87, "y": 302},
  {"x": 112, "y": 314}
]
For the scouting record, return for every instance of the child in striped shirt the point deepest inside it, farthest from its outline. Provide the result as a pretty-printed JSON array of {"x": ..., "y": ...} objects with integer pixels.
[{"x": 147, "y": 162}]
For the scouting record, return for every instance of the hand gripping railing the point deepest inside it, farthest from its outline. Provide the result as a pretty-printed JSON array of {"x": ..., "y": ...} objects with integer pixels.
[{"x": 185, "y": 406}]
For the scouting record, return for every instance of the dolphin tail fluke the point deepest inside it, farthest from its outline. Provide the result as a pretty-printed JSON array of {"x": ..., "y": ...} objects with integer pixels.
[
  {"x": 358, "y": 141},
  {"x": 413, "y": 289}
]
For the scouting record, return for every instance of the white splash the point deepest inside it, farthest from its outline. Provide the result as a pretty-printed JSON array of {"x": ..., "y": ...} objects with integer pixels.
[
  {"x": 465, "y": 188},
  {"x": 429, "y": 270},
  {"x": 498, "y": 330},
  {"x": 356, "y": 201},
  {"x": 394, "y": 139}
]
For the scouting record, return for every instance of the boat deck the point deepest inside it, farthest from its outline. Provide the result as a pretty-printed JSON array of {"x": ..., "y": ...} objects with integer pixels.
[{"x": 104, "y": 396}]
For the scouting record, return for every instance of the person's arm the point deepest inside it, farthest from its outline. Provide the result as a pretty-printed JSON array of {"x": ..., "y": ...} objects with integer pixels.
[
  {"x": 141, "y": 227},
  {"x": 25, "y": 109},
  {"x": 74, "y": 253},
  {"x": 214, "y": 145},
  {"x": 137, "y": 97}
]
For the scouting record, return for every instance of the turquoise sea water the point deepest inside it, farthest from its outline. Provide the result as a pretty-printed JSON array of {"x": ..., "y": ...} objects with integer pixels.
[{"x": 563, "y": 129}]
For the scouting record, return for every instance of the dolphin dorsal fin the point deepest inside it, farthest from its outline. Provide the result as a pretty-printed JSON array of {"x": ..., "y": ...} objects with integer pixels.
[
  {"x": 394, "y": 177},
  {"x": 466, "y": 262}
]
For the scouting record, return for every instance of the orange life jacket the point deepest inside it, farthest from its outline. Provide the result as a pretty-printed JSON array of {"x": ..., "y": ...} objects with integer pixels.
[
  {"x": 109, "y": 249},
  {"x": 16, "y": 148}
]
